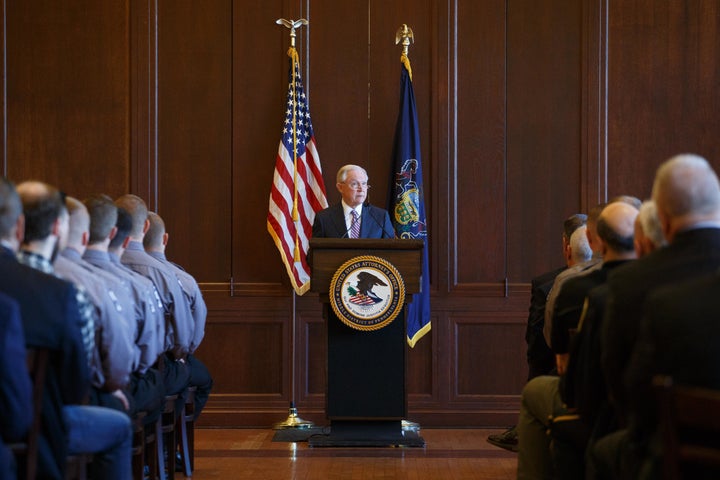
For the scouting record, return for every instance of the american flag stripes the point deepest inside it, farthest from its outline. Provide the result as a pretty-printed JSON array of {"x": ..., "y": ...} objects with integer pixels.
[{"x": 298, "y": 190}]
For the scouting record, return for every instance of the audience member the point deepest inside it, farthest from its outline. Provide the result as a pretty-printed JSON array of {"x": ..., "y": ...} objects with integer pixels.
[
  {"x": 179, "y": 324},
  {"x": 686, "y": 193},
  {"x": 541, "y": 396},
  {"x": 52, "y": 320},
  {"x": 540, "y": 359},
  {"x": 155, "y": 241},
  {"x": 146, "y": 386},
  {"x": 16, "y": 400},
  {"x": 113, "y": 330},
  {"x": 578, "y": 269}
]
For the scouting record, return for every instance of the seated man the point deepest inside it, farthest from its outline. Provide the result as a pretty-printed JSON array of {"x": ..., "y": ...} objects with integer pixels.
[
  {"x": 72, "y": 428},
  {"x": 541, "y": 396}
]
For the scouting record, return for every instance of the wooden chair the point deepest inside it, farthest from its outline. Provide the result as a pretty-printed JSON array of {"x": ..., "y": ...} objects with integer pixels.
[
  {"x": 76, "y": 466},
  {"x": 165, "y": 435},
  {"x": 690, "y": 426},
  {"x": 138, "y": 446},
  {"x": 26, "y": 453},
  {"x": 186, "y": 427}
]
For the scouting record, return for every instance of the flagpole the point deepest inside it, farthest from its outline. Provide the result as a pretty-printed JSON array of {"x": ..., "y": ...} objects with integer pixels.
[
  {"x": 404, "y": 36},
  {"x": 293, "y": 420}
]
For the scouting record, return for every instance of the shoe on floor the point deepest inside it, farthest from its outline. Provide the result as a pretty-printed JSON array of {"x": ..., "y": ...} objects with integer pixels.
[{"x": 507, "y": 440}]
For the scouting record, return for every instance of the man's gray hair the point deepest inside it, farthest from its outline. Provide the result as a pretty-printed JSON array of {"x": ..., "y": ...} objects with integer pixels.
[
  {"x": 650, "y": 224},
  {"x": 581, "y": 251},
  {"x": 686, "y": 185}
]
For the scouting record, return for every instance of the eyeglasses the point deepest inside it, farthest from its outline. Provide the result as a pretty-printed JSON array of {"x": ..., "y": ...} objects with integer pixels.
[{"x": 356, "y": 185}]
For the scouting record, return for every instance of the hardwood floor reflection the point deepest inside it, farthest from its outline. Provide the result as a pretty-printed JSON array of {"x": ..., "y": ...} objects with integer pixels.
[{"x": 251, "y": 454}]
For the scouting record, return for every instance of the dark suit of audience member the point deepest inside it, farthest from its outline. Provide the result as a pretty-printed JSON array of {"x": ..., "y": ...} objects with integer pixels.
[
  {"x": 15, "y": 384},
  {"x": 337, "y": 220},
  {"x": 686, "y": 192},
  {"x": 678, "y": 337},
  {"x": 541, "y": 397},
  {"x": 540, "y": 358},
  {"x": 50, "y": 317}
]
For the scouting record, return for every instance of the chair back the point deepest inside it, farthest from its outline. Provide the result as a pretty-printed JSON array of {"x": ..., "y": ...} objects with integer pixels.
[
  {"x": 26, "y": 453},
  {"x": 690, "y": 429}
]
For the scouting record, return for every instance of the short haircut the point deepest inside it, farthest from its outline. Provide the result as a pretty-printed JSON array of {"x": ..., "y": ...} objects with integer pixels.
[
  {"x": 581, "y": 251},
  {"x": 650, "y": 224},
  {"x": 345, "y": 169},
  {"x": 79, "y": 220},
  {"x": 572, "y": 223},
  {"x": 10, "y": 207},
  {"x": 124, "y": 225},
  {"x": 42, "y": 205},
  {"x": 103, "y": 216},
  {"x": 686, "y": 185},
  {"x": 154, "y": 236},
  {"x": 138, "y": 211}
]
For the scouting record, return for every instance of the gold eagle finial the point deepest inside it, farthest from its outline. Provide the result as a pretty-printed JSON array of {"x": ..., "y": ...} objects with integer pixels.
[
  {"x": 404, "y": 34},
  {"x": 292, "y": 25}
]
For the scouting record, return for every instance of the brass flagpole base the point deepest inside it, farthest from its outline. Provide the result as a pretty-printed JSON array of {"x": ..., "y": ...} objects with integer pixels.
[{"x": 293, "y": 421}]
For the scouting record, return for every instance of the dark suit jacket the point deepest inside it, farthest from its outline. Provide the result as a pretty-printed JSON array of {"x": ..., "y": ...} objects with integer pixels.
[
  {"x": 691, "y": 254},
  {"x": 678, "y": 337},
  {"x": 15, "y": 386},
  {"x": 374, "y": 223},
  {"x": 540, "y": 358},
  {"x": 570, "y": 301},
  {"x": 51, "y": 319}
]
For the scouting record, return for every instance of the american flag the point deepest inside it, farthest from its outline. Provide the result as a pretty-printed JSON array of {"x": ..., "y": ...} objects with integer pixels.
[{"x": 298, "y": 190}]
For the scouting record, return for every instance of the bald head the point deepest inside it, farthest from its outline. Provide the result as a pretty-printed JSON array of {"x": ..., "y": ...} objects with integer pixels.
[
  {"x": 616, "y": 228},
  {"x": 686, "y": 191}
]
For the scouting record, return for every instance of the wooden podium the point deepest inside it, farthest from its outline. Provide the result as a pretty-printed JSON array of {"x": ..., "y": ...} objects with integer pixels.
[{"x": 366, "y": 399}]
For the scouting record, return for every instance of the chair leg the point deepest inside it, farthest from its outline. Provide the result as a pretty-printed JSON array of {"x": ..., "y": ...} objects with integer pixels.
[
  {"x": 138, "y": 447},
  {"x": 160, "y": 449},
  {"x": 186, "y": 425}
]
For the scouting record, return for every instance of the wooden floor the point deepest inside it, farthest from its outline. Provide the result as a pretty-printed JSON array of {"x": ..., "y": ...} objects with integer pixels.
[{"x": 449, "y": 454}]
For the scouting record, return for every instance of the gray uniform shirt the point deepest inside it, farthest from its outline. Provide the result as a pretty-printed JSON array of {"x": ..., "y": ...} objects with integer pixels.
[
  {"x": 148, "y": 311},
  {"x": 113, "y": 330},
  {"x": 194, "y": 296},
  {"x": 180, "y": 325}
]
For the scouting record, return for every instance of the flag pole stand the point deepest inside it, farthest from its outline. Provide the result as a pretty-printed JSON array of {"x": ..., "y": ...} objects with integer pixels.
[{"x": 293, "y": 421}]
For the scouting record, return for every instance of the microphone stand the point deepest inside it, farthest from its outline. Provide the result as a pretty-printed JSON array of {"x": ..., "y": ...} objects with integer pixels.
[{"x": 293, "y": 420}]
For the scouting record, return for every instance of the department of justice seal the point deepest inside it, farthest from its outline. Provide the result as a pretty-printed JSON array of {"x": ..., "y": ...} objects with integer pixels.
[{"x": 367, "y": 293}]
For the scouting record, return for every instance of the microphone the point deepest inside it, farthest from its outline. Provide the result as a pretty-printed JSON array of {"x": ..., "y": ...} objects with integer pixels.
[{"x": 385, "y": 234}]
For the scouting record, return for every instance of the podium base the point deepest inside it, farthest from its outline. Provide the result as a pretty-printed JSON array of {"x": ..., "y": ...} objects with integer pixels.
[{"x": 367, "y": 434}]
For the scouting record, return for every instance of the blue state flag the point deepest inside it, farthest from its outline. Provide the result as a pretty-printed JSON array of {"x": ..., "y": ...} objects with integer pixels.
[{"x": 407, "y": 207}]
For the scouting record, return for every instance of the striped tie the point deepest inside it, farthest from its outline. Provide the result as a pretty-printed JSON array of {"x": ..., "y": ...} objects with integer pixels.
[{"x": 355, "y": 225}]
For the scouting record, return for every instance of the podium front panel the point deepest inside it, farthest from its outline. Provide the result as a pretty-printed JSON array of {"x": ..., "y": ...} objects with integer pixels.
[{"x": 366, "y": 371}]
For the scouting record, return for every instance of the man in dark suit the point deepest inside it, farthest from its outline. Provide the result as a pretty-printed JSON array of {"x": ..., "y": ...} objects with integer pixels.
[
  {"x": 51, "y": 319},
  {"x": 541, "y": 396},
  {"x": 678, "y": 337},
  {"x": 540, "y": 359},
  {"x": 686, "y": 192},
  {"x": 353, "y": 217}
]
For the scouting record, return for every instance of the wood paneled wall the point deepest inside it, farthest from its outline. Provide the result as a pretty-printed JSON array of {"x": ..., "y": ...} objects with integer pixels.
[{"x": 529, "y": 111}]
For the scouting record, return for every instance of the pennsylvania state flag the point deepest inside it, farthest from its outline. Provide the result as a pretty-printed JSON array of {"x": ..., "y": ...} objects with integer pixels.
[{"x": 407, "y": 207}]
